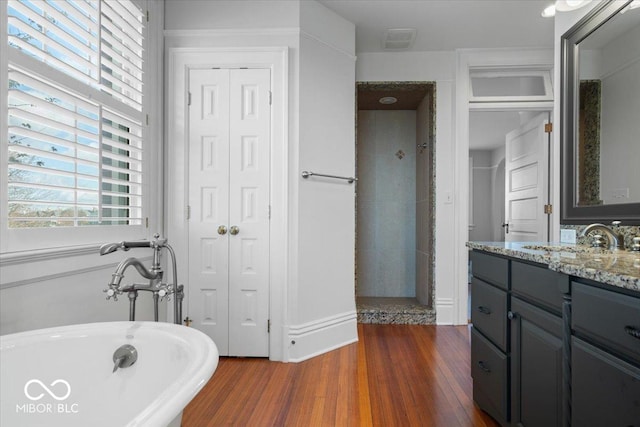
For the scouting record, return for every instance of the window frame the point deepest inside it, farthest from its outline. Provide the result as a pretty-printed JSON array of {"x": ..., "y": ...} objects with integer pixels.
[
  {"x": 544, "y": 74},
  {"x": 22, "y": 240}
]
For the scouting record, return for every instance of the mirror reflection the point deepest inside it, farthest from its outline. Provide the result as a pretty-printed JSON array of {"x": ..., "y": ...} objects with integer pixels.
[{"x": 608, "y": 128}]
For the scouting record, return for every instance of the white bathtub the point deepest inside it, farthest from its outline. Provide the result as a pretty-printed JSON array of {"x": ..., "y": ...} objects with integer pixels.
[{"x": 63, "y": 376}]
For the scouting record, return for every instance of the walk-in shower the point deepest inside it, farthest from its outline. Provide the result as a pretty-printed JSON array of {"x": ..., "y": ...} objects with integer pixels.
[{"x": 395, "y": 194}]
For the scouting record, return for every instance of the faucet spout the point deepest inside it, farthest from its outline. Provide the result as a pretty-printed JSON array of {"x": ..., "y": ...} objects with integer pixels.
[
  {"x": 118, "y": 275},
  {"x": 616, "y": 241}
]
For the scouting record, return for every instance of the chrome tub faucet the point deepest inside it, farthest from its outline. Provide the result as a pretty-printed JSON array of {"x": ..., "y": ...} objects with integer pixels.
[{"x": 154, "y": 275}]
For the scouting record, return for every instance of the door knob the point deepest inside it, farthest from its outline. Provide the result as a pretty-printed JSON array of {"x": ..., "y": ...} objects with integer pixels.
[
  {"x": 234, "y": 230},
  {"x": 506, "y": 227},
  {"x": 222, "y": 230}
]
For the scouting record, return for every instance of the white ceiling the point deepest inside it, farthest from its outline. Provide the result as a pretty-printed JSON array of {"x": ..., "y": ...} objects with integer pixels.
[{"x": 449, "y": 24}]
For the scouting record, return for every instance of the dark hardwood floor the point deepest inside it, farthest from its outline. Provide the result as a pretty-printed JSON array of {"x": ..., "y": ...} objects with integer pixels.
[{"x": 396, "y": 375}]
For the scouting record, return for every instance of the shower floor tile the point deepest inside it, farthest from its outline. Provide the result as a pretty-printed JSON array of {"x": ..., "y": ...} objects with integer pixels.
[{"x": 394, "y": 311}]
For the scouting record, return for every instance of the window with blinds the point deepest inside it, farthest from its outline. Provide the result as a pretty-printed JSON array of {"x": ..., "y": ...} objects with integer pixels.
[{"x": 75, "y": 143}]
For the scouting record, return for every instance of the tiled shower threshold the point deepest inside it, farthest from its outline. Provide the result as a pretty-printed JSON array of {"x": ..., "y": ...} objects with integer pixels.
[{"x": 394, "y": 311}]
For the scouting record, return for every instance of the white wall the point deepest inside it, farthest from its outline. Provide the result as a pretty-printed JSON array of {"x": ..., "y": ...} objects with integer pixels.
[
  {"x": 318, "y": 307},
  {"x": 323, "y": 314},
  {"x": 438, "y": 67},
  {"x": 387, "y": 203},
  {"x": 483, "y": 174},
  {"x": 230, "y": 14},
  {"x": 52, "y": 297}
]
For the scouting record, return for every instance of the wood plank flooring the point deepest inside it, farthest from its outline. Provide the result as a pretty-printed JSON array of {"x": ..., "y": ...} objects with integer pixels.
[{"x": 396, "y": 375}]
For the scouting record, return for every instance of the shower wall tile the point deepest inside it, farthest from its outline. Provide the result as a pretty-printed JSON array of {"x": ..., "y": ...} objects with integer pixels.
[
  {"x": 424, "y": 202},
  {"x": 366, "y": 163},
  {"x": 423, "y": 267},
  {"x": 366, "y": 225},
  {"x": 386, "y": 203}
]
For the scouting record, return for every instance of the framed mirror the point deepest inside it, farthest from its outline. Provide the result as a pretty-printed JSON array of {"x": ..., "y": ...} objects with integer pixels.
[{"x": 600, "y": 116}]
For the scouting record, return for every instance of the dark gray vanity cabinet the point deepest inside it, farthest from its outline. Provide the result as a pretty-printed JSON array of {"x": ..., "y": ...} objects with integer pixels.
[
  {"x": 490, "y": 335},
  {"x": 548, "y": 349},
  {"x": 536, "y": 345},
  {"x": 516, "y": 340},
  {"x": 605, "y": 357}
]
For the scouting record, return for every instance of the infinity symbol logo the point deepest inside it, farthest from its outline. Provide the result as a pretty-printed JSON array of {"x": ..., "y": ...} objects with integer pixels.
[{"x": 51, "y": 393}]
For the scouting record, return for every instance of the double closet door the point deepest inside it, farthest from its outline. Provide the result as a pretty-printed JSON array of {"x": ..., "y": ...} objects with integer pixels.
[{"x": 229, "y": 156}]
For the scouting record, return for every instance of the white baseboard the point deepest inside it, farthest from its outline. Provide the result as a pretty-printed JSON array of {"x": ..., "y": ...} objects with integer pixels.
[
  {"x": 444, "y": 311},
  {"x": 321, "y": 336}
]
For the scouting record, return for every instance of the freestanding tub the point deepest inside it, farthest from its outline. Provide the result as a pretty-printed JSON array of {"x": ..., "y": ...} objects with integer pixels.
[{"x": 64, "y": 376}]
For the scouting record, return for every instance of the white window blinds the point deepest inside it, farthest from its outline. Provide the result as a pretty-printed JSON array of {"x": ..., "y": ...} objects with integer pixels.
[{"x": 74, "y": 113}]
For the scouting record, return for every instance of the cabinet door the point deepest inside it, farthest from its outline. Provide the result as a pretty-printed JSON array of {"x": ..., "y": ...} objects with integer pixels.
[
  {"x": 536, "y": 366},
  {"x": 605, "y": 390},
  {"x": 489, "y": 370}
]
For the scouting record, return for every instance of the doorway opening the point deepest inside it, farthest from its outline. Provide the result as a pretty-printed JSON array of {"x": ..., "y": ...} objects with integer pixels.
[
  {"x": 509, "y": 161},
  {"x": 509, "y": 177},
  {"x": 395, "y": 194}
]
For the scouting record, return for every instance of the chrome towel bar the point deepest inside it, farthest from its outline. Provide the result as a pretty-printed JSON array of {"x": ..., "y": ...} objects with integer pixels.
[{"x": 349, "y": 179}]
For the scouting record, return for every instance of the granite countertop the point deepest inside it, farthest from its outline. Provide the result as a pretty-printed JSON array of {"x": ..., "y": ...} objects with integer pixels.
[{"x": 616, "y": 268}]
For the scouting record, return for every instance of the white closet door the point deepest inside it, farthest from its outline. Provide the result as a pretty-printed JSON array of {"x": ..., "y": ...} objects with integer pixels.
[
  {"x": 208, "y": 200},
  {"x": 249, "y": 212},
  {"x": 229, "y": 155}
]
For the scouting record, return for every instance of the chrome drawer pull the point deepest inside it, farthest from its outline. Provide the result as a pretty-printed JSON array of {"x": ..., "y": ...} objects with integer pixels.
[
  {"x": 484, "y": 367},
  {"x": 634, "y": 332},
  {"x": 484, "y": 310}
]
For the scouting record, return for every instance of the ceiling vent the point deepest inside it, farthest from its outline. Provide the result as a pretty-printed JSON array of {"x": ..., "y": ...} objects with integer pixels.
[{"x": 399, "y": 38}]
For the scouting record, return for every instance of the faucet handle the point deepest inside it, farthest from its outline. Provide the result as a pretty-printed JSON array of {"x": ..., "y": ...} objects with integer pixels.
[
  {"x": 598, "y": 241},
  {"x": 165, "y": 292},
  {"x": 112, "y": 293}
]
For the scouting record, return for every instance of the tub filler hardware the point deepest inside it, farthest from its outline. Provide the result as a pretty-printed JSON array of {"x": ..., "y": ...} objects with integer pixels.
[
  {"x": 154, "y": 276},
  {"x": 125, "y": 356}
]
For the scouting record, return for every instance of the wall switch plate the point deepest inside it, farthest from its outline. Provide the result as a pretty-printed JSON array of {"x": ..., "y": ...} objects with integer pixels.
[
  {"x": 448, "y": 197},
  {"x": 568, "y": 236}
]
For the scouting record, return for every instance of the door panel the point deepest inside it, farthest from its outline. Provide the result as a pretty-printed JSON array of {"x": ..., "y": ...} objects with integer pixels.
[
  {"x": 526, "y": 186},
  {"x": 208, "y": 196},
  {"x": 249, "y": 211}
]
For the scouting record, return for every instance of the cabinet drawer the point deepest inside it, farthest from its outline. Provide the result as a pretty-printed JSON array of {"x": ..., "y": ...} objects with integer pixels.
[
  {"x": 539, "y": 285},
  {"x": 605, "y": 390},
  {"x": 489, "y": 373},
  {"x": 489, "y": 311},
  {"x": 490, "y": 268},
  {"x": 607, "y": 317}
]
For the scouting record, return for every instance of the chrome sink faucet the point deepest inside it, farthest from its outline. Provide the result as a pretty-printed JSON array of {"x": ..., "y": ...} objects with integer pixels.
[
  {"x": 154, "y": 275},
  {"x": 616, "y": 240}
]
